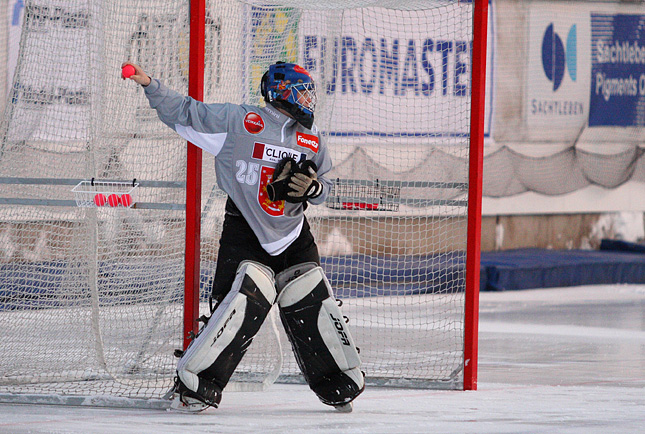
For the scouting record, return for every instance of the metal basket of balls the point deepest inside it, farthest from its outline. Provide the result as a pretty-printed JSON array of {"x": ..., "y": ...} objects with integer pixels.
[{"x": 97, "y": 194}]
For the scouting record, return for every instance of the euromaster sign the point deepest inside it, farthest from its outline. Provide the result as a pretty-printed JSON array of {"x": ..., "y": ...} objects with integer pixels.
[
  {"x": 395, "y": 80},
  {"x": 617, "y": 70}
]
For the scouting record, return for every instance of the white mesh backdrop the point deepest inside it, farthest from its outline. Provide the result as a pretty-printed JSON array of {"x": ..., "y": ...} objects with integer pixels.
[
  {"x": 92, "y": 297},
  {"x": 393, "y": 89}
]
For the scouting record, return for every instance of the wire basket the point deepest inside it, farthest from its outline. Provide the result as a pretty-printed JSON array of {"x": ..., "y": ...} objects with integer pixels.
[
  {"x": 96, "y": 194},
  {"x": 348, "y": 194}
]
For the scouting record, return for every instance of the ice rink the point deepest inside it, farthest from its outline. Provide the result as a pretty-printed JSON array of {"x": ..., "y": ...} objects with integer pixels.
[{"x": 562, "y": 360}]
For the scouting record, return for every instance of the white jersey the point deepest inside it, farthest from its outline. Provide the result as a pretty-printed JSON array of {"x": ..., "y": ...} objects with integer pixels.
[{"x": 247, "y": 142}]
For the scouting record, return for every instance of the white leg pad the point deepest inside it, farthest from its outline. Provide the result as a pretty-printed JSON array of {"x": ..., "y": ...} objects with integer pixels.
[
  {"x": 231, "y": 328},
  {"x": 324, "y": 347}
]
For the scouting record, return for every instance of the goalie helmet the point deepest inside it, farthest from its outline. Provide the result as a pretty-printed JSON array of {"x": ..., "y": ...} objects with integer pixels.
[{"x": 291, "y": 88}]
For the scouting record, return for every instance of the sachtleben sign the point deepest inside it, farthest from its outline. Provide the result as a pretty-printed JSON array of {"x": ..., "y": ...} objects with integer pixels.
[{"x": 617, "y": 70}]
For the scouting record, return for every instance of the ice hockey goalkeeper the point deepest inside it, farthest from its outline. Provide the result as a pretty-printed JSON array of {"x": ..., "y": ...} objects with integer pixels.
[{"x": 271, "y": 162}]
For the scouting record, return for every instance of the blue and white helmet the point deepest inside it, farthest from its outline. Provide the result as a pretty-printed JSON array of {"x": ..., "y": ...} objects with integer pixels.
[{"x": 291, "y": 88}]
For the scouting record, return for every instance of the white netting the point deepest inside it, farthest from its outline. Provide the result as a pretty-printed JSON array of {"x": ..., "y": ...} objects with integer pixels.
[
  {"x": 90, "y": 293},
  {"x": 92, "y": 297},
  {"x": 393, "y": 103}
]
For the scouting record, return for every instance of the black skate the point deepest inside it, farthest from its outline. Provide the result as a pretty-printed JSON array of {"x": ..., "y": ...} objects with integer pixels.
[
  {"x": 344, "y": 408},
  {"x": 186, "y": 400}
]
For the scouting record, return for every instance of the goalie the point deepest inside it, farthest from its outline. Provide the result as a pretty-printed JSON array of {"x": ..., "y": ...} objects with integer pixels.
[{"x": 271, "y": 163}]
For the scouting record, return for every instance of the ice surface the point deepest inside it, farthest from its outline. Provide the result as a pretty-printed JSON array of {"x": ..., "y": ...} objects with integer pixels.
[{"x": 563, "y": 360}]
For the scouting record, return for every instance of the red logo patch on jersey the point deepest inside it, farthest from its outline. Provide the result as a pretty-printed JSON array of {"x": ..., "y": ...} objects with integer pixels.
[
  {"x": 275, "y": 208},
  {"x": 253, "y": 123},
  {"x": 307, "y": 140}
]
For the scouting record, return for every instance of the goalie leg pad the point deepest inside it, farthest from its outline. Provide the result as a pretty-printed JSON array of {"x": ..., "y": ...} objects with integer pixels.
[
  {"x": 210, "y": 360},
  {"x": 321, "y": 341}
]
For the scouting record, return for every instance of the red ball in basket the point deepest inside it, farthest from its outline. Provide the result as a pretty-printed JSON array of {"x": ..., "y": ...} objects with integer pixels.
[
  {"x": 99, "y": 199},
  {"x": 126, "y": 200},
  {"x": 127, "y": 71},
  {"x": 113, "y": 200}
]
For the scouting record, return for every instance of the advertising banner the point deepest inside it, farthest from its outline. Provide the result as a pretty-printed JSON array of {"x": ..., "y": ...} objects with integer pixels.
[
  {"x": 15, "y": 14},
  {"x": 558, "y": 71},
  {"x": 47, "y": 84},
  {"x": 376, "y": 77},
  {"x": 395, "y": 77},
  {"x": 272, "y": 35},
  {"x": 617, "y": 70}
]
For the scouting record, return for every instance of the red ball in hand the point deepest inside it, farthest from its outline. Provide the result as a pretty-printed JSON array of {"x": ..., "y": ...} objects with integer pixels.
[{"x": 127, "y": 71}]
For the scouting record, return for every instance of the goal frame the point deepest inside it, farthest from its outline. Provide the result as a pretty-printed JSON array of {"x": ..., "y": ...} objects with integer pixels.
[
  {"x": 475, "y": 179},
  {"x": 476, "y": 156}
]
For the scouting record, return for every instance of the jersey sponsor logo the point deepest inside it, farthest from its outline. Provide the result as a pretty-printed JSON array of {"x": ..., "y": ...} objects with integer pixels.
[
  {"x": 275, "y": 208},
  {"x": 307, "y": 140},
  {"x": 272, "y": 153},
  {"x": 253, "y": 123}
]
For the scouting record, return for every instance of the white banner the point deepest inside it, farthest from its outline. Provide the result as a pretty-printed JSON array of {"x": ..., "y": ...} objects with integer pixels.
[
  {"x": 51, "y": 92},
  {"x": 558, "y": 71},
  {"x": 14, "y": 18},
  {"x": 396, "y": 78}
]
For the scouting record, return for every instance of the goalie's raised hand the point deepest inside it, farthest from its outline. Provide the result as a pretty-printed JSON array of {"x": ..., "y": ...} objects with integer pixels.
[
  {"x": 303, "y": 183},
  {"x": 139, "y": 75}
]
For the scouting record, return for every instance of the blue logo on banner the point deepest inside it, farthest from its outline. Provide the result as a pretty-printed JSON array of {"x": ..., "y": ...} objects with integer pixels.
[{"x": 555, "y": 59}]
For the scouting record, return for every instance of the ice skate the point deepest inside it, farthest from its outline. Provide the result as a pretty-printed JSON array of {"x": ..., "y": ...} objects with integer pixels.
[
  {"x": 185, "y": 400},
  {"x": 186, "y": 404},
  {"x": 344, "y": 408}
]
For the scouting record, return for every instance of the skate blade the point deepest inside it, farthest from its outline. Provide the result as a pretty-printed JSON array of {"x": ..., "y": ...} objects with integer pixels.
[
  {"x": 170, "y": 394},
  {"x": 344, "y": 408},
  {"x": 187, "y": 405}
]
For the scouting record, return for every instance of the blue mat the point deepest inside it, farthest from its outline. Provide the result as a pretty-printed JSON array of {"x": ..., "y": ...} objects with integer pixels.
[
  {"x": 369, "y": 276},
  {"x": 616, "y": 262},
  {"x": 41, "y": 284}
]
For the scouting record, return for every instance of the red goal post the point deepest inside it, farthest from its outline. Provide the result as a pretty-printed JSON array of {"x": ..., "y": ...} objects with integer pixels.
[
  {"x": 194, "y": 175},
  {"x": 476, "y": 171}
]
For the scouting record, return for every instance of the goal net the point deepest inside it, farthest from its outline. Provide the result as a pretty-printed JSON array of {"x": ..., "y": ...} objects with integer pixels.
[{"x": 92, "y": 281}]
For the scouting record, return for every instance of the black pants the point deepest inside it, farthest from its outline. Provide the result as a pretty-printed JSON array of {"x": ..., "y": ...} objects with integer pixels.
[{"x": 238, "y": 243}]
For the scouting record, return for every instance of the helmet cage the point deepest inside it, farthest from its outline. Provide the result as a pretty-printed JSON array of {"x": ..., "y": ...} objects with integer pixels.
[{"x": 302, "y": 95}]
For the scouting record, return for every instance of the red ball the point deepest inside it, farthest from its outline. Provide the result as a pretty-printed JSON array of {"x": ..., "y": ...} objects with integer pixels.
[
  {"x": 127, "y": 71},
  {"x": 99, "y": 199},
  {"x": 113, "y": 200},
  {"x": 126, "y": 200}
]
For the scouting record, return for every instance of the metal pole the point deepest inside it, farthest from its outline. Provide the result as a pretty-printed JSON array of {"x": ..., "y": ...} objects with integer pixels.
[
  {"x": 194, "y": 175},
  {"x": 476, "y": 168}
]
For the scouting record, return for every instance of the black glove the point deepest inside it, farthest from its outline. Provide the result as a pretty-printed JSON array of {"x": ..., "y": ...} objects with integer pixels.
[
  {"x": 303, "y": 183},
  {"x": 278, "y": 188}
]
